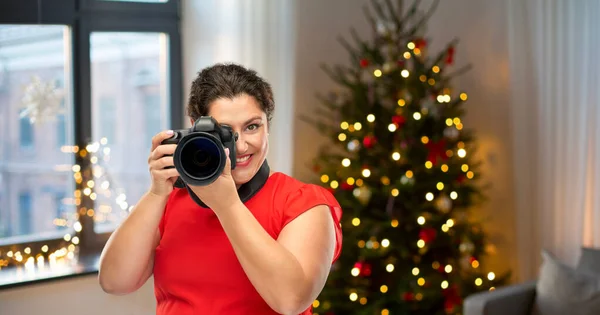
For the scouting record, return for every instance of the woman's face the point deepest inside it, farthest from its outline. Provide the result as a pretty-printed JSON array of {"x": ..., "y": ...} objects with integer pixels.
[{"x": 244, "y": 114}]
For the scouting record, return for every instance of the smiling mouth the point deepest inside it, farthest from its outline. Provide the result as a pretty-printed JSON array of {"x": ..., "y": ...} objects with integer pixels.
[{"x": 243, "y": 159}]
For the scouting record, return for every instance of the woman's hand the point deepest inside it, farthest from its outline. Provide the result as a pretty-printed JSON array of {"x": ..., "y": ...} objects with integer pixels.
[
  {"x": 161, "y": 166},
  {"x": 221, "y": 194}
]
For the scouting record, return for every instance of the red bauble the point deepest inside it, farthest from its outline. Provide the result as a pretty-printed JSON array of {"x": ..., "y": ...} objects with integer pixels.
[
  {"x": 366, "y": 271},
  {"x": 427, "y": 234},
  {"x": 472, "y": 259},
  {"x": 398, "y": 120},
  {"x": 364, "y": 63},
  {"x": 346, "y": 186},
  {"x": 408, "y": 296},
  {"x": 436, "y": 150},
  {"x": 369, "y": 142},
  {"x": 420, "y": 43},
  {"x": 450, "y": 55}
]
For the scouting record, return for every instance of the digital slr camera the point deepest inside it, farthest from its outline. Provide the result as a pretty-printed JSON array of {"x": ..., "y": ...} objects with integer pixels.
[{"x": 200, "y": 153}]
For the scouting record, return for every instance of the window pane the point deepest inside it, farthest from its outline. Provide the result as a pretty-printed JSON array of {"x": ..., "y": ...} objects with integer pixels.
[
  {"x": 129, "y": 106},
  {"x": 36, "y": 132}
]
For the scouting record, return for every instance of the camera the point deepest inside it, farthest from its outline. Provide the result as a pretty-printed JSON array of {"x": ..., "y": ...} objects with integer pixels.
[{"x": 200, "y": 154}]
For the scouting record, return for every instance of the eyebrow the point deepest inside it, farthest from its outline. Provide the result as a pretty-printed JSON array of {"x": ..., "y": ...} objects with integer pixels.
[{"x": 252, "y": 119}]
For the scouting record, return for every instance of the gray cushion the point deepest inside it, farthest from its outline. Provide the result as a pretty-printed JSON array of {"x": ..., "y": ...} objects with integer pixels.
[
  {"x": 589, "y": 260},
  {"x": 564, "y": 290}
]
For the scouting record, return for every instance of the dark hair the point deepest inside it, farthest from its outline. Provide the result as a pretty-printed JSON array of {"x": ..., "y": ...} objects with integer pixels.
[{"x": 228, "y": 81}]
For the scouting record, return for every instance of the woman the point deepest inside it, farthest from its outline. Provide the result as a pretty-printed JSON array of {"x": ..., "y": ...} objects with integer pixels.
[{"x": 268, "y": 255}]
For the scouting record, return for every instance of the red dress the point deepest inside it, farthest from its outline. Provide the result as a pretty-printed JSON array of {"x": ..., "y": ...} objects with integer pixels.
[{"x": 195, "y": 268}]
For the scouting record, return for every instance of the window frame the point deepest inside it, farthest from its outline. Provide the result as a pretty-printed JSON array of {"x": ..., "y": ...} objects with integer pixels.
[{"x": 84, "y": 17}]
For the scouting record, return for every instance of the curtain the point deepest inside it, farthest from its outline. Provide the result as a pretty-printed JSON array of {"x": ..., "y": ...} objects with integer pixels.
[
  {"x": 555, "y": 96},
  {"x": 258, "y": 34}
]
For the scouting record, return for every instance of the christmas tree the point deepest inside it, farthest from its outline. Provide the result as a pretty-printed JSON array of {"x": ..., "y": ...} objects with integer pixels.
[{"x": 401, "y": 165}]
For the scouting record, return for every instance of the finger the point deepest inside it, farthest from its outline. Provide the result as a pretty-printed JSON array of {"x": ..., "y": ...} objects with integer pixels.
[
  {"x": 227, "y": 169},
  {"x": 162, "y": 163},
  {"x": 162, "y": 150},
  {"x": 160, "y": 137},
  {"x": 164, "y": 175}
]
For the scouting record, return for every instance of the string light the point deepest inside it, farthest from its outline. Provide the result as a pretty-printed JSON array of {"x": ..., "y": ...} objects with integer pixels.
[
  {"x": 396, "y": 156},
  {"x": 346, "y": 162},
  {"x": 491, "y": 276},
  {"x": 410, "y": 45},
  {"x": 461, "y": 153},
  {"x": 342, "y": 137},
  {"x": 401, "y": 102},
  {"x": 344, "y": 125},
  {"x": 421, "y": 220},
  {"x": 389, "y": 268},
  {"x": 415, "y": 271},
  {"x": 429, "y": 196},
  {"x": 453, "y": 195},
  {"x": 478, "y": 282},
  {"x": 370, "y": 118},
  {"x": 417, "y": 115},
  {"x": 392, "y": 127},
  {"x": 463, "y": 96},
  {"x": 377, "y": 73},
  {"x": 366, "y": 172},
  {"x": 356, "y": 221},
  {"x": 404, "y": 73},
  {"x": 435, "y": 69}
]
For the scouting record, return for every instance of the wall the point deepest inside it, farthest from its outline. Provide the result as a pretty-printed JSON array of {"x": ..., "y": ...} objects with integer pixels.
[{"x": 482, "y": 29}]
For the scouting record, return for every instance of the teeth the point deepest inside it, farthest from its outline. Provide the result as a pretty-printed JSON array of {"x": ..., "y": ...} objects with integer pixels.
[{"x": 244, "y": 159}]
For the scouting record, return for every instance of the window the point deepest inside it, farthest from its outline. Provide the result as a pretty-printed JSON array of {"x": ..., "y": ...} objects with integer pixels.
[
  {"x": 107, "y": 119},
  {"x": 26, "y": 132},
  {"x": 24, "y": 217},
  {"x": 76, "y": 85},
  {"x": 61, "y": 131}
]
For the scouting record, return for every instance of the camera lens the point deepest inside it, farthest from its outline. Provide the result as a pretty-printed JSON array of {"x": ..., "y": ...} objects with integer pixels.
[{"x": 200, "y": 158}]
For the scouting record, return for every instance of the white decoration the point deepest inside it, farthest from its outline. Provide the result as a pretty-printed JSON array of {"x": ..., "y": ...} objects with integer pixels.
[{"x": 41, "y": 101}]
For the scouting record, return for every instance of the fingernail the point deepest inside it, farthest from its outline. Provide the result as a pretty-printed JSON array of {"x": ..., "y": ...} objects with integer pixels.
[
  {"x": 169, "y": 132},
  {"x": 227, "y": 151}
]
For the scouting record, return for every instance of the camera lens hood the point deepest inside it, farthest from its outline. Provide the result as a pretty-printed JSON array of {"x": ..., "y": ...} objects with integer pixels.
[{"x": 188, "y": 148}]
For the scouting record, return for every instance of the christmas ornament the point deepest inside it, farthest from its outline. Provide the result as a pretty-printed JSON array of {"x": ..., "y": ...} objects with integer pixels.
[
  {"x": 353, "y": 145},
  {"x": 398, "y": 120},
  {"x": 427, "y": 234},
  {"x": 451, "y": 133},
  {"x": 443, "y": 203},
  {"x": 450, "y": 55},
  {"x": 346, "y": 186},
  {"x": 388, "y": 67},
  {"x": 436, "y": 150},
  {"x": 363, "y": 194},
  {"x": 364, "y": 63},
  {"x": 41, "y": 101},
  {"x": 404, "y": 180},
  {"x": 369, "y": 141},
  {"x": 466, "y": 247}
]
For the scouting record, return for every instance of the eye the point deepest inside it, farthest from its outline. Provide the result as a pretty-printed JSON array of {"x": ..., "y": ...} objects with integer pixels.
[{"x": 253, "y": 127}]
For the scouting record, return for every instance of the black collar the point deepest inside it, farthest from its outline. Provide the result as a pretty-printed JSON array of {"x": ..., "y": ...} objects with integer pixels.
[{"x": 246, "y": 191}]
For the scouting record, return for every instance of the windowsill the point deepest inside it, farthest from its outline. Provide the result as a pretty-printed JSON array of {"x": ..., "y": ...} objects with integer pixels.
[{"x": 20, "y": 276}]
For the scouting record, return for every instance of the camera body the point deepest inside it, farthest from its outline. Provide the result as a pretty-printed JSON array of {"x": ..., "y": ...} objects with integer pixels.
[{"x": 200, "y": 154}]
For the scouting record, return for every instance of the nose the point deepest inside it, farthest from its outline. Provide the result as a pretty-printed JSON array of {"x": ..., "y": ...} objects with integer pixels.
[{"x": 241, "y": 146}]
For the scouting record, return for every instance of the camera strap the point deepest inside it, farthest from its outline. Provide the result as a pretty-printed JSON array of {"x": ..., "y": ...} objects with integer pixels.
[{"x": 246, "y": 191}]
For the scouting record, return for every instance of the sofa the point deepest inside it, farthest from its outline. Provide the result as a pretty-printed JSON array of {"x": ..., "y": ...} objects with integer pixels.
[{"x": 558, "y": 290}]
